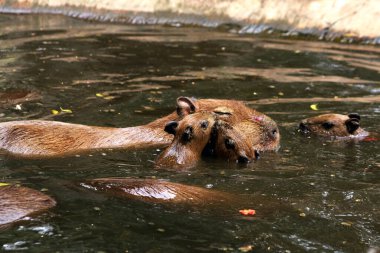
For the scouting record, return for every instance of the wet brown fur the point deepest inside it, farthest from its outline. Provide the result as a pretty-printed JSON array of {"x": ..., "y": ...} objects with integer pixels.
[
  {"x": 157, "y": 191},
  {"x": 37, "y": 138},
  {"x": 17, "y": 202},
  {"x": 191, "y": 134},
  {"x": 333, "y": 125}
]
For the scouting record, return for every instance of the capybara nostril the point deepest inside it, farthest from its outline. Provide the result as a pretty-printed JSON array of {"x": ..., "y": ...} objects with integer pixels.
[
  {"x": 230, "y": 144},
  {"x": 257, "y": 155},
  {"x": 303, "y": 127},
  {"x": 243, "y": 159}
]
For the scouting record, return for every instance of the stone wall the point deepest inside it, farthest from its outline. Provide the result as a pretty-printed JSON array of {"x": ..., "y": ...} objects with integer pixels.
[{"x": 349, "y": 17}]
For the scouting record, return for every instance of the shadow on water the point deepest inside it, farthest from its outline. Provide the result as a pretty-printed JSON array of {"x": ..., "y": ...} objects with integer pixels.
[{"x": 321, "y": 196}]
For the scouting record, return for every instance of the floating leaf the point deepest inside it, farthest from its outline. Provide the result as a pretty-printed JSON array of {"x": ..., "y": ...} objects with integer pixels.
[
  {"x": 247, "y": 212},
  {"x": 314, "y": 107},
  {"x": 345, "y": 223},
  {"x": 66, "y": 110},
  {"x": 55, "y": 112},
  {"x": 246, "y": 248},
  {"x": 4, "y": 184}
]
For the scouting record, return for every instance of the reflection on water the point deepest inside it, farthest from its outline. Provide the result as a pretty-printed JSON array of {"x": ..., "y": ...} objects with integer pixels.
[{"x": 318, "y": 196}]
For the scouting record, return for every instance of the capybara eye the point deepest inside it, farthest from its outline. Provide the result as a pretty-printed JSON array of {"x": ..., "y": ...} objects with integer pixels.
[
  {"x": 230, "y": 144},
  {"x": 327, "y": 125},
  {"x": 187, "y": 134},
  {"x": 204, "y": 124}
]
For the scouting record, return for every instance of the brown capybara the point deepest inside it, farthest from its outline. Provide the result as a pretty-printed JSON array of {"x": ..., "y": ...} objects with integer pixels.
[
  {"x": 17, "y": 202},
  {"x": 191, "y": 134},
  {"x": 333, "y": 126},
  {"x": 229, "y": 142},
  {"x": 37, "y": 138},
  {"x": 157, "y": 191},
  {"x": 194, "y": 132},
  {"x": 186, "y": 196},
  {"x": 259, "y": 129}
]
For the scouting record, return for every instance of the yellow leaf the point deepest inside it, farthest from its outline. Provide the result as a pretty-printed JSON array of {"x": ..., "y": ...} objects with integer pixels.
[
  {"x": 314, "y": 107},
  {"x": 100, "y": 95},
  {"x": 66, "y": 110},
  {"x": 246, "y": 248},
  {"x": 55, "y": 112},
  {"x": 4, "y": 184},
  {"x": 347, "y": 224}
]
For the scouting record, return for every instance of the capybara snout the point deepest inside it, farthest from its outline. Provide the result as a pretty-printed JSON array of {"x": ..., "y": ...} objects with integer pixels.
[
  {"x": 333, "y": 125},
  {"x": 229, "y": 142}
]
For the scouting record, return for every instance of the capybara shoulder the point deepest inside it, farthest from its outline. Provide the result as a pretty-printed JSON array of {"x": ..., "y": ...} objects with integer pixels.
[
  {"x": 333, "y": 125},
  {"x": 17, "y": 202},
  {"x": 191, "y": 134}
]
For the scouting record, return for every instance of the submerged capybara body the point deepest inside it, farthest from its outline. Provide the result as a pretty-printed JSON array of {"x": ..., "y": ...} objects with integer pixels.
[
  {"x": 157, "y": 191},
  {"x": 39, "y": 138},
  {"x": 230, "y": 143},
  {"x": 333, "y": 125},
  {"x": 17, "y": 202}
]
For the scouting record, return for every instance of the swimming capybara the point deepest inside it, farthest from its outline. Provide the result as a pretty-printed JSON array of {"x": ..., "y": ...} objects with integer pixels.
[
  {"x": 194, "y": 132},
  {"x": 17, "y": 202},
  {"x": 37, "y": 138},
  {"x": 334, "y": 126},
  {"x": 157, "y": 191},
  {"x": 230, "y": 143},
  {"x": 191, "y": 134}
]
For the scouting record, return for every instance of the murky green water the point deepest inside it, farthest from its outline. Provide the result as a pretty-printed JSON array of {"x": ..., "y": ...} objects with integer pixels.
[{"x": 140, "y": 70}]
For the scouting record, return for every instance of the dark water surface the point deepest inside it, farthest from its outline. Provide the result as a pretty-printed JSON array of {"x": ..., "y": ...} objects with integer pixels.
[{"x": 317, "y": 195}]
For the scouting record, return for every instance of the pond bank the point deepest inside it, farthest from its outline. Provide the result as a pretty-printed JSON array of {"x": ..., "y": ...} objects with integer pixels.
[{"x": 339, "y": 20}]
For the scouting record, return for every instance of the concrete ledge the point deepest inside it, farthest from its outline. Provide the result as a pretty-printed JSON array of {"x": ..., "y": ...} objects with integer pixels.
[{"x": 353, "y": 18}]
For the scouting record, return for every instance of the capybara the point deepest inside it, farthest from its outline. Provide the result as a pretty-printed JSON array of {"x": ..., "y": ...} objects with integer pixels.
[
  {"x": 194, "y": 132},
  {"x": 157, "y": 191},
  {"x": 259, "y": 129},
  {"x": 37, "y": 138},
  {"x": 229, "y": 142},
  {"x": 333, "y": 126},
  {"x": 191, "y": 134},
  {"x": 17, "y": 202},
  {"x": 185, "y": 196}
]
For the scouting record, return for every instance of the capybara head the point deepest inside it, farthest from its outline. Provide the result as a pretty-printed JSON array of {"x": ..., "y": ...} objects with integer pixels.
[
  {"x": 229, "y": 142},
  {"x": 333, "y": 125},
  {"x": 257, "y": 128},
  {"x": 191, "y": 134}
]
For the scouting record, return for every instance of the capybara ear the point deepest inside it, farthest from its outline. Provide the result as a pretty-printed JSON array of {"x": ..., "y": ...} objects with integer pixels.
[
  {"x": 352, "y": 125},
  {"x": 170, "y": 127},
  {"x": 185, "y": 106},
  {"x": 354, "y": 116}
]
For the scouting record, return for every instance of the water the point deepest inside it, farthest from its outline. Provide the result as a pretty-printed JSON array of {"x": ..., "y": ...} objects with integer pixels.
[{"x": 137, "y": 72}]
